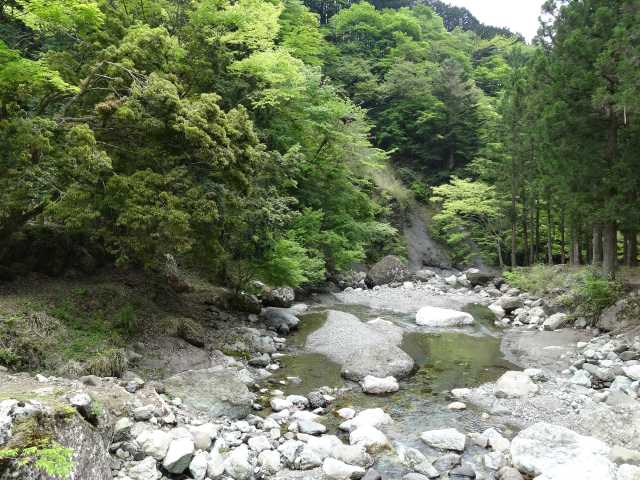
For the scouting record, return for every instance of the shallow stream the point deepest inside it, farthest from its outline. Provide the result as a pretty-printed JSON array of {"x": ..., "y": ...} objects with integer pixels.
[{"x": 445, "y": 359}]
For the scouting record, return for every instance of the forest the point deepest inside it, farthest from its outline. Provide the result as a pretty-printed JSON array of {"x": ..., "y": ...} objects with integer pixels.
[{"x": 243, "y": 136}]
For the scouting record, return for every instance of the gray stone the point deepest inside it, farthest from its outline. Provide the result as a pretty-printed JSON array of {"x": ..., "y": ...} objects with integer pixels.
[
  {"x": 282, "y": 320},
  {"x": 279, "y": 297},
  {"x": 557, "y": 453},
  {"x": 359, "y": 348},
  {"x": 216, "y": 392},
  {"x": 555, "y": 321},
  {"x": 143, "y": 470},
  {"x": 179, "y": 455},
  {"x": 377, "y": 386},
  {"x": 237, "y": 463},
  {"x": 442, "y": 318},
  {"x": 198, "y": 465},
  {"x": 372, "y": 475},
  {"x": 337, "y": 470},
  {"x": 154, "y": 443},
  {"x": 388, "y": 270},
  {"x": 445, "y": 439},
  {"x": 463, "y": 472},
  {"x": 514, "y": 384},
  {"x": 509, "y": 473}
]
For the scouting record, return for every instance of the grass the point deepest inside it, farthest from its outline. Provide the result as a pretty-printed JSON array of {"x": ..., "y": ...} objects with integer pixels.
[{"x": 584, "y": 289}]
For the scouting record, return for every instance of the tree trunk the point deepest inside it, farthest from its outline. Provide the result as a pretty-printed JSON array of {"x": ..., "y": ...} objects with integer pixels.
[
  {"x": 609, "y": 249},
  {"x": 596, "y": 245},
  {"x": 630, "y": 248},
  {"x": 575, "y": 245},
  {"x": 536, "y": 250},
  {"x": 499, "y": 251},
  {"x": 525, "y": 230},
  {"x": 532, "y": 252},
  {"x": 549, "y": 233},
  {"x": 514, "y": 216},
  {"x": 563, "y": 256}
]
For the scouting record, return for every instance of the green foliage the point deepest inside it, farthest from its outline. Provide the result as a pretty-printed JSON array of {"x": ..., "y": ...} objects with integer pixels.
[
  {"x": 538, "y": 279},
  {"x": 595, "y": 293},
  {"x": 470, "y": 216},
  {"x": 126, "y": 319},
  {"x": 111, "y": 363}
]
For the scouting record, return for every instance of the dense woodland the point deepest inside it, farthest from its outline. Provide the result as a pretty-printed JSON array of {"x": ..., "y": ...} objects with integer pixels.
[{"x": 243, "y": 136}]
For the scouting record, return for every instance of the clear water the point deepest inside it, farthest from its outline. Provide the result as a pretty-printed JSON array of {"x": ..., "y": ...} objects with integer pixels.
[{"x": 445, "y": 359}]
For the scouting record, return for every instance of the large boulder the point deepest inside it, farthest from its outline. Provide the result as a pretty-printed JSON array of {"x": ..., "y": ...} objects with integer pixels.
[
  {"x": 360, "y": 349},
  {"x": 509, "y": 303},
  {"x": 622, "y": 314},
  {"x": 442, "y": 318},
  {"x": 388, "y": 270},
  {"x": 378, "y": 386},
  {"x": 514, "y": 385},
  {"x": 446, "y": 439},
  {"x": 555, "y": 321},
  {"x": 214, "y": 391},
  {"x": 556, "y": 453},
  {"x": 282, "y": 320},
  {"x": 478, "y": 277},
  {"x": 81, "y": 451},
  {"x": 279, "y": 297}
]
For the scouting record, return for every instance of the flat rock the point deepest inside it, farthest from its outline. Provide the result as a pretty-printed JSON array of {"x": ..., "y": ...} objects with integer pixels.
[
  {"x": 442, "y": 318},
  {"x": 445, "y": 439},
  {"x": 358, "y": 348},
  {"x": 557, "y": 453},
  {"x": 216, "y": 392},
  {"x": 514, "y": 384},
  {"x": 378, "y": 386}
]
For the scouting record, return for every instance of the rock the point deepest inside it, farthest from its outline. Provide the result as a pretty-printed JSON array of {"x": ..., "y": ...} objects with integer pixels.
[
  {"x": 555, "y": 321},
  {"x": 495, "y": 440},
  {"x": 557, "y": 453},
  {"x": 352, "y": 455},
  {"x": 442, "y": 318},
  {"x": 348, "y": 413},
  {"x": 425, "y": 468},
  {"x": 143, "y": 470},
  {"x": 310, "y": 427},
  {"x": 622, "y": 314},
  {"x": 198, "y": 465},
  {"x": 259, "y": 443},
  {"x": 279, "y": 297},
  {"x": 447, "y": 461},
  {"x": 244, "y": 302},
  {"x": 337, "y": 470},
  {"x": 463, "y": 472},
  {"x": 388, "y": 270},
  {"x": 509, "y": 473},
  {"x": 621, "y": 455},
  {"x": 628, "y": 472},
  {"x": 461, "y": 392},
  {"x": 122, "y": 429},
  {"x": 514, "y": 384},
  {"x": 82, "y": 403},
  {"x": 372, "y": 475},
  {"x": 179, "y": 455},
  {"x": 632, "y": 371},
  {"x": 415, "y": 476},
  {"x": 90, "y": 456},
  {"x": 445, "y": 439},
  {"x": 582, "y": 378},
  {"x": 282, "y": 320},
  {"x": 359, "y": 348},
  {"x": 477, "y": 277},
  {"x": 154, "y": 443},
  {"x": 191, "y": 332},
  {"x": 509, "y": 304},
  {"x": 457, "y": 406},
  {"x": 270, "y": 461},
  {"x": 142, "y": 414},
  {"x": 203, "y": 435},
  {"x": 216, "y": 392},
  {"x": 279, "y": 404},
  {"x": 497, "y": 310},
  {"x": 307, "y": 459},
  {"x": 601, "y": 374},
  {"x": 237, "y": 463},
  {"x": 290, "y": 450},
  {"x": 372, "y": 439},
  {"x": 378, "y": 386},
  {"x": 316, "y": 400},
  {"x": 494, "y": 460},
  {"x": 424, "y": 275},
  {"x": 372, "y": 417},
  {"x": 215, "y": 464}
]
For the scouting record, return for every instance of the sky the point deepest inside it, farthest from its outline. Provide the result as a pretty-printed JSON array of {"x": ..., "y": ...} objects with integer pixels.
[{"x": 518, "y": 15}]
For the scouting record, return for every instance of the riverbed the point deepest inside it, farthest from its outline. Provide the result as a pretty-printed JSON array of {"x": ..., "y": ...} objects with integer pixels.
[{"x": 445, "y": 359}]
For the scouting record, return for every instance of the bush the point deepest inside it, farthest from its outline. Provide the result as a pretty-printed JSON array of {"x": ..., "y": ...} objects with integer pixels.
[
  {"x": 112, "y": 363},
  {"x": 595, "y": 293}
]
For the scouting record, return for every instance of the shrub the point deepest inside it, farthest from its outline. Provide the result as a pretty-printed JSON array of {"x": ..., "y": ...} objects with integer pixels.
[{"x": 112, "y": 363}]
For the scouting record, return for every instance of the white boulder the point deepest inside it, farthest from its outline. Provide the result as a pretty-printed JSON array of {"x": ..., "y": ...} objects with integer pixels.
[
  {"x": 179, "y": 455},
  {"x": 514, "y": 385},
  {"x": 551, "y": 452},
  {"x": 445, "y": 439},
  {"x": 378, "y": 386},
  {"x": 442, "y": 317},
  {"x": 372, "y": 439},
  {"x": 337, "y": 470}
]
